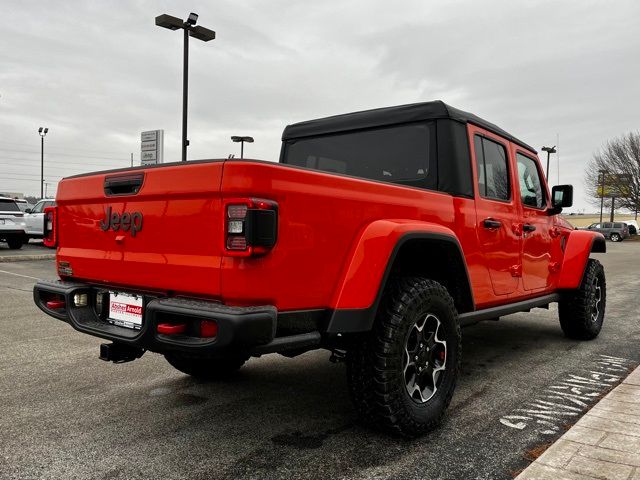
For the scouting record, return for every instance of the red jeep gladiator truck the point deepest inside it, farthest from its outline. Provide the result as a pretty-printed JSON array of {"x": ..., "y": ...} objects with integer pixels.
[{"x": 377, "y": 236}]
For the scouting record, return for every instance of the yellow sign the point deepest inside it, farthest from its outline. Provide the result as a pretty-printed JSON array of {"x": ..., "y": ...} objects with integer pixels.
[{"x": 615, "y": 185}]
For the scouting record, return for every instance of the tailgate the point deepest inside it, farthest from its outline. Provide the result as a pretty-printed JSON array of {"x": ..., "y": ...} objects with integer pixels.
[{"x": 163, "y": 231}]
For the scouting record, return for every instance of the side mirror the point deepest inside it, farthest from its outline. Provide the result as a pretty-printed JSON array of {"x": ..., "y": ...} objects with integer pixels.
[
  {"x": 28, "y": 210},
  {"x": 561, "y": 196}
]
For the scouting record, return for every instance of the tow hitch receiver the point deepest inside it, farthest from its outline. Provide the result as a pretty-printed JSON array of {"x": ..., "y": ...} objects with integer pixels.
[{"x": 119, "y": 353}]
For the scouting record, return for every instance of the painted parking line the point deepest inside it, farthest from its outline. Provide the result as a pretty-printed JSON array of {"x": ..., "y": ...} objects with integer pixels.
[
  {"x": 19, "y": 275},
  {"x": 564, "y": 401}
]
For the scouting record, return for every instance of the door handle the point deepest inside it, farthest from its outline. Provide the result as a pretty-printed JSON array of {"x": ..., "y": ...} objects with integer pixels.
[
  {"x": 527, "y": 227},
  {"x": 491, "y": 224}
]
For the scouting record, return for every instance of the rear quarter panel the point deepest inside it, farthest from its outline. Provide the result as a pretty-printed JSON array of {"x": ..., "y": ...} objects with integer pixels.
[{"x": 322, "y": 217}]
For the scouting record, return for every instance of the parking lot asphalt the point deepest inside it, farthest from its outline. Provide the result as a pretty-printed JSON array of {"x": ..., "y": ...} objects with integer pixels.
[
  {"x": 66, "y": 414},
  {"x": 34, "y": 247}
]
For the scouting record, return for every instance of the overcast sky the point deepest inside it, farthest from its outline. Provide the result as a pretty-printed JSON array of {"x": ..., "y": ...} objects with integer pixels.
[{"x": 98, "y": 73}]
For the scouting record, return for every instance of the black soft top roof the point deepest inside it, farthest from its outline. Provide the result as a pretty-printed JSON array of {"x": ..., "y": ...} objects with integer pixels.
[{"x": 390, "y": 116}]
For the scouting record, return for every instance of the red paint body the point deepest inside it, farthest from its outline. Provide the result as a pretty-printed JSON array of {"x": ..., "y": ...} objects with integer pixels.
[{"x": 335, "y": 236}]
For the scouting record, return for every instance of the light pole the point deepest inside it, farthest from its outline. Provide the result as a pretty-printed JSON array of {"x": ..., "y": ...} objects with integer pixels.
[
  {"x": 42, "y": 132},
  {"x": 603, "y": 173},
  {"x": 190, "y": 30},
  {"x": 241, "y": 140},
  {"x": 549, "y": 151}
]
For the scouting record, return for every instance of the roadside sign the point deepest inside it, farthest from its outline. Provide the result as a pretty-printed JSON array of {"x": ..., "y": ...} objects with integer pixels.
[
  {"x": 152, "y": 147},
  {"x": 615, "y": 185},
  {"x": 147, "y": 136},
  {"x": 149, "y": 145},
  {"x": 149, "y": 157}
]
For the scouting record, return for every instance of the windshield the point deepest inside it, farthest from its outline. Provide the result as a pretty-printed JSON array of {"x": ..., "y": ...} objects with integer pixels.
[{"x": 397, "y": 154}]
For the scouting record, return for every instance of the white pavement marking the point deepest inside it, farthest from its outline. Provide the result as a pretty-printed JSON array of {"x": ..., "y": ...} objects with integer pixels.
[
  {"x": 569, "y": 396},
  {"x": 19, "y": 275},
  {"x": 604, "y": 444}
]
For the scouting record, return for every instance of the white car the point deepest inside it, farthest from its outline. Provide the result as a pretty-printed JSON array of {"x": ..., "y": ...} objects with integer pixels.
[
  {"x": 12, "y": 228},
  {"x": 34, "y": 219},
  {"x": 634, "y": 224},
  {"x": 23, "y": 204}
]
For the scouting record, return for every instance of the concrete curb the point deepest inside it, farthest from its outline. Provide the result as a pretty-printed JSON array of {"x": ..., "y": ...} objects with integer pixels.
[
  {"x": 26, "y": 258},
  {"x": 603, "y": 444}
]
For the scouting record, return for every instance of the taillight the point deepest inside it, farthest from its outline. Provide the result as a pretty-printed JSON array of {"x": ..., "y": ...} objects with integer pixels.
[
  {"x": 250, "y": 226},
  {"x": 50, "y": 226}
]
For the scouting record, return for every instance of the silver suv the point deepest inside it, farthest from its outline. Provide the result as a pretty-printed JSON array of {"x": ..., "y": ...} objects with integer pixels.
[
  {"x": 12, "y": 227},
  {"x": 614, "y": 231}
]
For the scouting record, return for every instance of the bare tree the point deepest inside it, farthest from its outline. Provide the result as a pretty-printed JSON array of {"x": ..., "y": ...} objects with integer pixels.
[{"x": 619, "y": 158}]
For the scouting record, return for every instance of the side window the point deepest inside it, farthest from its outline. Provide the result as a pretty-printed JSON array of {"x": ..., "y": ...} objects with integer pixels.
[
  {"x": 607, "y": 225},
  {"x": 493, "y": 169},
  {"x": 531, "y": 191},
  {"x": 49, "y": 204},
  {"x": 38, "y": 208}
]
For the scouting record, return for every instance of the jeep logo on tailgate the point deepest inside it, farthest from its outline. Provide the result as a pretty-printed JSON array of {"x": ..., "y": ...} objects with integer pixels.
[{"x": 125, "y": 222}]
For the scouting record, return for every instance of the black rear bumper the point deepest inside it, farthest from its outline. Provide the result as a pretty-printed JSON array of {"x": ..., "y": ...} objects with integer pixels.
[{"x": 239, "y": 328}]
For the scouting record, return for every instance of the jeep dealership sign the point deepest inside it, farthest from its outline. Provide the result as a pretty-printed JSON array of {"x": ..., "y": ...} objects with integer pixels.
[{"x": 151, "y": 147}]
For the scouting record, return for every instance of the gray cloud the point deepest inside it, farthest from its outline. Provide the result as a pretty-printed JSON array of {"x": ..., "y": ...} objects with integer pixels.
[{"x": 97, "y": 73}]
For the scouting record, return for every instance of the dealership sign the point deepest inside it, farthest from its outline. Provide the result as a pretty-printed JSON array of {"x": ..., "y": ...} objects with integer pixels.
[{"x": 151, "y": 147}]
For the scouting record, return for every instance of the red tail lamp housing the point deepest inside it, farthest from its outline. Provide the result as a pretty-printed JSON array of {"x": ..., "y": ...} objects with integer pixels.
[
  {"x": 50, "y": 227},
  {"x": 250, "y": 226}
]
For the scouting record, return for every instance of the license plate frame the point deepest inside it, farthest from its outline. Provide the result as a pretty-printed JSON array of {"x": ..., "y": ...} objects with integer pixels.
[{"x": 126, "y": 310}]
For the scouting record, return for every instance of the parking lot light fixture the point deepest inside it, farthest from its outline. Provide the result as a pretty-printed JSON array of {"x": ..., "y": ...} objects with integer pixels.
[
  {"x": 549, "y": 151},
  {"x": 190, "y": 30},
  {"x": 241, "y": 140},
  {"x": 42, "y": 131}
]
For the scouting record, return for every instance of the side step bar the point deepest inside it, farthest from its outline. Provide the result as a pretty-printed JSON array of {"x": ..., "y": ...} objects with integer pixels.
[
  {"x": 471, "y": 318},
  {"x": 290, "y": 342}
]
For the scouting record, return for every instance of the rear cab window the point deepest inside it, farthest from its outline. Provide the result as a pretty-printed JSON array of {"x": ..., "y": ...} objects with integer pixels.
[
  {"x": 8, "y": 206},
  {"x": 401, "y": 154}
]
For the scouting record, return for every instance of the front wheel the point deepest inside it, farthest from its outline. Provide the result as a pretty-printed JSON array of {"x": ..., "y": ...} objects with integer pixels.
[
  {"x": 403, "y": 374},
  {"x": 615, "y": 237},
  {"x": 206, "y": 368},
  {"x": 582, "y": 310}
]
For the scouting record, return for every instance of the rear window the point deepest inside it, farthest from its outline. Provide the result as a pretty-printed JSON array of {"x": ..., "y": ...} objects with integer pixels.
[
  {"x": 8, "y": 206},
  {"x": 398, "y": 154}
]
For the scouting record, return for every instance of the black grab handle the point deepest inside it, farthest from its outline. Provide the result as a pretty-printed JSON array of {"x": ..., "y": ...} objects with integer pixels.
[
  {"x": 491, "y": 224},
  {"x": 123, "y": 184}
]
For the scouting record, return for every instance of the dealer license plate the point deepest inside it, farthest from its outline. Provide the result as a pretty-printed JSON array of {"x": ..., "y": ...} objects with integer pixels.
[{"x": 125, "y": 310}]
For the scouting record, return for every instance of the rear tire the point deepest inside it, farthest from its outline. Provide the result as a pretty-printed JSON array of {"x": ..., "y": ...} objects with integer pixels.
[
  {"x": 582, "y": 310},
  {"x": 206, "y": 368},
  {"x": 615, "y": 237},
  {"x": 403, "y": 374},
  {"x": 15, "y": 243}
]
